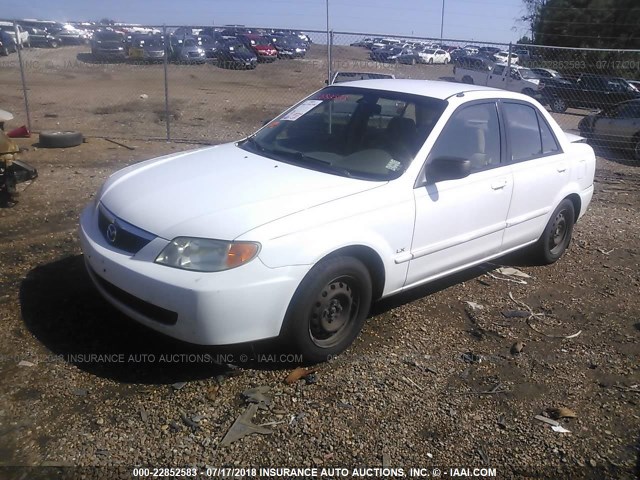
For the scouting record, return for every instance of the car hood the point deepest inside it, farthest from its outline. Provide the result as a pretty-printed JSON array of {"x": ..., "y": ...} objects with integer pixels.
[{"x": 218, "y": 192}]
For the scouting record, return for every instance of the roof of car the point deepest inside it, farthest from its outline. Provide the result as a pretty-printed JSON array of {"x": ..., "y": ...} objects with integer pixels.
[{"x": 428, "y": 88}]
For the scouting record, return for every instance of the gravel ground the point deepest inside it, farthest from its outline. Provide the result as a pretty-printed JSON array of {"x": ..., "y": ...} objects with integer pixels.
[{"x": 433, "y": 381}]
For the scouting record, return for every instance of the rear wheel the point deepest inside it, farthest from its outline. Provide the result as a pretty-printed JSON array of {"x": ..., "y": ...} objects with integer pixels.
[
  {"x": 329, "y": 308},
  {"x": 557, "y": 234},
  {"x": 558, "y": 105},
  {"x": 431, "y": 61},
  {"x": 467, "y": 79},
  {"x": 636, "y": 147}
]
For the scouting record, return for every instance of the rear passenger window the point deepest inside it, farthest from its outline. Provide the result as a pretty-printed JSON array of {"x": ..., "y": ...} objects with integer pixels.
[
  {"x": 549, "y": 143},
  {"x": 529, "y": 134}
]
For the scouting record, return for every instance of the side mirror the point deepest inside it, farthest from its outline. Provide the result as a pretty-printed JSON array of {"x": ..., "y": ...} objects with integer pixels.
[{"x": 447, "y": 168}]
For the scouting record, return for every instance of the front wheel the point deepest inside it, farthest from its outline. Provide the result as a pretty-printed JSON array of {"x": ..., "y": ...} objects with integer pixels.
[
  {"x": 329, "y": 308},
  {"x": 557, "y": 234}
]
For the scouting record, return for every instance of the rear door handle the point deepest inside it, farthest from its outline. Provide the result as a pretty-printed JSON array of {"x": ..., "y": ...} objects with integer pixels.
[{"x": 561, "y": 168}]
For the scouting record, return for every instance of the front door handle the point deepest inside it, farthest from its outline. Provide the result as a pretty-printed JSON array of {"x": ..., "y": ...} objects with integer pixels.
[
  {"x": 561, "y": 168},
  {"x": 500, "y": 184}
]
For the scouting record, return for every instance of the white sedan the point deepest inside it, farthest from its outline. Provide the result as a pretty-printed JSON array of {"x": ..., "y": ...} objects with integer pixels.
[
  {"x": 503, "y": 57},
  {"x": 362, "y": 190},
  {"x": 434, "y": 55}
]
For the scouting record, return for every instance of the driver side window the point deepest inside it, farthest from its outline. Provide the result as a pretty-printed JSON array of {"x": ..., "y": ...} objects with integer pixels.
[{"x": 472, "y": 133}]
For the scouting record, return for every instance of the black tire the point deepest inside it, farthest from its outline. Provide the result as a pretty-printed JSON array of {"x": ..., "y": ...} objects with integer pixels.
[
  {"x": 636, "y": 147},
  {"x": 53, "y": 139},
  {"x": 329, "y": 308},
  {"x": 431, "y": 61},
  {"x": 557, "y": 234},
  {"x": 446, "y": 61},
  {"x": 467, "y": 79},
  {"x": 558, "y": 105}
]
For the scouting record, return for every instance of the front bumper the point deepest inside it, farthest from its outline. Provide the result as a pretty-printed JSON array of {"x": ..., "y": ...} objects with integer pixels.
[{"x": 244, "y": 304}]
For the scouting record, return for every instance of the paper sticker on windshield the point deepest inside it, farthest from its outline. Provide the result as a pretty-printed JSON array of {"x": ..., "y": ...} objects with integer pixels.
[
  {"x": 301, "y": 109},
  {"x": 393, "y": 165}
]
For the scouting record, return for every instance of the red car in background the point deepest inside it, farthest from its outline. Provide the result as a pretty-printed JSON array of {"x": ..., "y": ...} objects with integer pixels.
[{"x": 262, "y": 47}]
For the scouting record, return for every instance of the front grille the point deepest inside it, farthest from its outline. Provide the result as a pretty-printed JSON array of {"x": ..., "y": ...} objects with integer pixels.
[
  {"x": 149, "y": 310},
  {"x": 121, "y": 234}
]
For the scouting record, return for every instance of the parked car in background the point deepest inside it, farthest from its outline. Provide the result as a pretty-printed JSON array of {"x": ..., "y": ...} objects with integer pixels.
[
  {"x": 546, "y": 73},
  {"x": 294, "y": 231},
  {"x": 617, "y": 126},
  {"x": 260, "y": 45},
  {"x": 362, "y": 43},
  {"x": 406, "y": 55},
  {"x": 458, "y": 53},
  {"x": 635, "y": 83},
  {"x": 108, "y": 44},
  {"x": 488, "y": 52},
  {"x": 211, "y": 45},
  {"x": 22, "y": 40},
  {"x": 71, "y": 35},
  {"x": 340, "y": 77},
  {"x": 233, "y": 54},
  {"x": 503, "y": 57},
  {"x": 515, "y": 78},
  {"x": 188, "y": 51},
  {"x": 41, "y": 38},
  {"x": 431, "y": 56},
  {"x": 588, "y": 91},
  {"x": 524, "y": 55},
  {"x": 385, "y": 54},
  {"x": 7, "y": 44},
  {"x": 147, "y": 48},
  {"x": 288, "y": 46}
]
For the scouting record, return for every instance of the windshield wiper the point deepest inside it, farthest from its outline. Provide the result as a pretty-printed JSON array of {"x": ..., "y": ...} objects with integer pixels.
[{"x": 303, "y": 157}]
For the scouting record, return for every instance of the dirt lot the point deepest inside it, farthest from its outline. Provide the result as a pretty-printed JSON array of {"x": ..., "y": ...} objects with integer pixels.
[{"x": 431, "y": 382}]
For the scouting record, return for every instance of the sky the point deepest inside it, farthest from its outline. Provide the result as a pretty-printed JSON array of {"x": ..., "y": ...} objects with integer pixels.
[{"x": 478, "y": 20}]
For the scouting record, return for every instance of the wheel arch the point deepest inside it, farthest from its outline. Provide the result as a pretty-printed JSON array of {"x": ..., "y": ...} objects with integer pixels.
[
  {"x": 371, "y": 260},
  {"x": 575, "y": 199}
]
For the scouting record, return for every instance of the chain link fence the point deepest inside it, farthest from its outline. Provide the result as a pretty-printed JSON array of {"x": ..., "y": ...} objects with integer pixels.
[{"x": 209, "y": 101}]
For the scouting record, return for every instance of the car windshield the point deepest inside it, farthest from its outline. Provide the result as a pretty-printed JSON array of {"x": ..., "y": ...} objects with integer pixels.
[
  {"x": 354, "y": 132},
  {"x": 109, "y": 36}
]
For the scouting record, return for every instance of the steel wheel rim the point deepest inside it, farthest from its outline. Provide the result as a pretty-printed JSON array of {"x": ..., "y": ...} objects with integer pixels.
[
  {"x": 558, "y": 104},
  {"x": 558, "y": 234},
  {"x": 334, "y": 311}
]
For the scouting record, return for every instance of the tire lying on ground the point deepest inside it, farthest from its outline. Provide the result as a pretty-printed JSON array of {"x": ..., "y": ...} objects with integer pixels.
[{"x": 56, "y": 139}]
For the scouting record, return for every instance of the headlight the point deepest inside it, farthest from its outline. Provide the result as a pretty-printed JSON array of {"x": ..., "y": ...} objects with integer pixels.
[{"x": 206, "y": 255}]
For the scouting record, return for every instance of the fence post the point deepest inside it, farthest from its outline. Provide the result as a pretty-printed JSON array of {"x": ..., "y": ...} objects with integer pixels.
[
  {"x": 329, "y": 58},
  {"x": 166, "y": 82},
  {"x": 509, "y": 65},
  {"x": 24, "y": 83}
]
